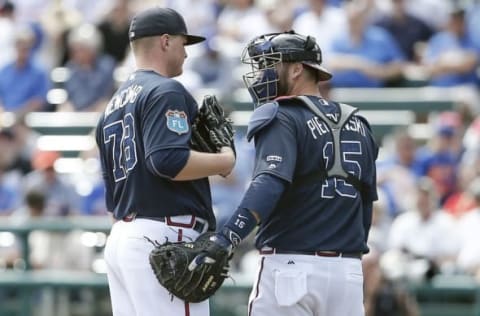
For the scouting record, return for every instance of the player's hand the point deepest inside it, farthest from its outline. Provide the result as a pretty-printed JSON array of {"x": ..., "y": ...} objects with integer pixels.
[
  {"x": 220, "y": 244},
  {"x": 230, "y": 155}
]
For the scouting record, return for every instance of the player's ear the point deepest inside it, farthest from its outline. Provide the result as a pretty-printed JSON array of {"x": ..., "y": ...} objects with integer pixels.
[
  {"x": 296, "y": 70},
  {"x": 165, "y": 41}
]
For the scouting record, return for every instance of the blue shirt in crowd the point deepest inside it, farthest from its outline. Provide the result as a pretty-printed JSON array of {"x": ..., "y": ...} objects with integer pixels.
[
  {"x": 377, "y": 46},
  {"x": 20, "y": 85},
  {"x": 85, "y": 87},
  {"x": 444, "y": 42}
]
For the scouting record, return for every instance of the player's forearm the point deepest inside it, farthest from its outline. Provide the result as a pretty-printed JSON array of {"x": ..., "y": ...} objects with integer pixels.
[
  {"x": 259, "y": 201},
  {"x": 200, "y": 165}
]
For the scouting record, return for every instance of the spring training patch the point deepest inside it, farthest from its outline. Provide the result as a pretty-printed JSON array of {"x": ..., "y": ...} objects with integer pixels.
[{"x": 177, "y": 121}]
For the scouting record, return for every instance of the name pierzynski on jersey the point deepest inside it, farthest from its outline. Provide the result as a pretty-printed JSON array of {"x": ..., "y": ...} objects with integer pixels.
[
  {"x": 122, "y": 98},
  {"x": 318, "y": 128}
]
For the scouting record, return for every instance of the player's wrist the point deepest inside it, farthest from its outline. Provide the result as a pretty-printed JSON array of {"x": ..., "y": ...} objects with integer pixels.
[
  {"x": 239, "y": 226},
  {"x": 229, "y": 160},
  {"x": 227, "y": 237},
  {"x": 222, "y": 238}
]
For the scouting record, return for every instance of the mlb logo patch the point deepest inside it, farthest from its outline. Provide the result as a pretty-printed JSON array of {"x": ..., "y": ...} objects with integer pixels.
[{"x": 177, "y": 121}]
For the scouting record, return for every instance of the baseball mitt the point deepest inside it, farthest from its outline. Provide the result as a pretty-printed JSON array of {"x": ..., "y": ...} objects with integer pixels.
[
  {"x": 170, "y": 263},
  {"x": 211, "y": 130}
]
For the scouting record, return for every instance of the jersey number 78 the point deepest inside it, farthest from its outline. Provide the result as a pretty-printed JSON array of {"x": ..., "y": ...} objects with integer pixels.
[{"x": 119, "y": 140}]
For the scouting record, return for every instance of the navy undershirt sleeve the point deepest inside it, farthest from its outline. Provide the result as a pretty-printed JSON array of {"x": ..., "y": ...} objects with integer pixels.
[
  {"x": 263, "y": 194},
  {"x": 261, "y": 198},
  {"x": 167, "y": 163}
]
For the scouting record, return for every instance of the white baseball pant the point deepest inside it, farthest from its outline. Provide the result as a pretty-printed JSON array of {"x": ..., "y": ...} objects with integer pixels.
[
  {"x": 134, "y": 289},
  {"x": 307, "y": 285}
]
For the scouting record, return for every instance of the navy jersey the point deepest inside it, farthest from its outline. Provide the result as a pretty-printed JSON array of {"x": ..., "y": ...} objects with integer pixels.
[
  {"x": 149, "y": 113},
  {"x": 319, "y": 215}
]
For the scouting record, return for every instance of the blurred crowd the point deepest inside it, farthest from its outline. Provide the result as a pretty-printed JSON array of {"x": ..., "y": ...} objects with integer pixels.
[{"x": 70, "y": 55}]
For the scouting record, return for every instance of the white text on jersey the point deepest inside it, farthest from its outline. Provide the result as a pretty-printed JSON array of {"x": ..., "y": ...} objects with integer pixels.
[
  {"x": 318, "y": 127},
  {"x": 122, "y": 98}
]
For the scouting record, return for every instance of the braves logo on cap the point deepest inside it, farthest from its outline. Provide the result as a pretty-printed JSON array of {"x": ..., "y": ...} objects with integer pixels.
[{"x": 177, "y": 121}]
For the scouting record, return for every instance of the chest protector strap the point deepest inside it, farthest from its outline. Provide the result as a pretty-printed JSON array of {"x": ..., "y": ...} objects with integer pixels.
[{"x": 346, "y": 112}]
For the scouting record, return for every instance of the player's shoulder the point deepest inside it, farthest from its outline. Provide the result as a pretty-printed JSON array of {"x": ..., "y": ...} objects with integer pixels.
[
  {"x": 153, "y": 81},
  {"x": 283, "y": 108},
  {"x": 364, "y": 120},
  {"x": 261, "y": 117}
]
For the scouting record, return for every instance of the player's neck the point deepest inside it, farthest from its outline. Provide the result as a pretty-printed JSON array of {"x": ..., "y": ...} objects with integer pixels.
[
  {"x": 153, "y": 66},
  {"x": 305, "y": 88}
]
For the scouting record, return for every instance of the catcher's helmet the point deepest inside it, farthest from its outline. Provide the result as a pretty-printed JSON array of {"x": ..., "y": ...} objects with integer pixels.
[{"x": 266, "y": 51}]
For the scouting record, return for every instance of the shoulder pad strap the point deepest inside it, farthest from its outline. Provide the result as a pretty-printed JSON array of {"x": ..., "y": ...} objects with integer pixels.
[{"x": 261, "y": 117}]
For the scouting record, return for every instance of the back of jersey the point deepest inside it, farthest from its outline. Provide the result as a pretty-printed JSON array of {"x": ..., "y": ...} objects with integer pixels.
[
  {"x": 318, "y": 211},
  {"x": 148, "y": 113}
]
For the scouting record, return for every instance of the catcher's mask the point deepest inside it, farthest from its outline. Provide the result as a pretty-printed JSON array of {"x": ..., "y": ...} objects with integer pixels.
[{"x": 264, "y": 52}]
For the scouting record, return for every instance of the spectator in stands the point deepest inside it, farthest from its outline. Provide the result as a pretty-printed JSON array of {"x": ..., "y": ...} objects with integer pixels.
[
  {"x": 381, "y": 221},
  {"x": 94, "y": 202},
  {"x": 25, "y": 142},
  {"x": 92, "y": 190},
  {"x": 471, "y": 142},
  {"x": 23, "y": 84},
  {"x": 468, "y": 258},
  {"x": 279, "y": 13},
  {"x": 199, "y": 15},
  {"x": 473, "y": 21},
  {"x": 451, "y": 57},
  {"x": 214, "y": 68},
  {"x": 462, "y": 201},
  {"x": 440, "y": 157},
  {"x": 365, "y": 55},
  {"x": 396, "y": 173},
  {"x": 90, "y": 82},
  {"x": 238, "y": 22},
  {"x": 51, "y": 250},
  {"x": 432, "y": 12},
  {"x": 56, "y": 22},
  {"x": 33, "y": 206},
  {"x": 91, "y": 11},
  {"x": 406, "y": 29},
  {"x": 62, "y": 199},
  {"x": 114, "y": 30},
  {"x": 384, "y": 296},
  {"x": 323, "y": 22},
  {"x": 7, "y": 25},
  {"x": 10, "y": 194},
  {"x": 416, "y": 233}
]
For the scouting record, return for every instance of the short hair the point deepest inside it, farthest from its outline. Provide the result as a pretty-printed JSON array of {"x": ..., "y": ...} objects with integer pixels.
[
  {"x": 143, "y": 44},
  {"x": 312, "y": 73},
  {"x": 35, "y": 199}
]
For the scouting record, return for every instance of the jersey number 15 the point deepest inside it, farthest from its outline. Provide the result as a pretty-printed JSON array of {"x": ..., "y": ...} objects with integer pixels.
[{"x": 351, "y": 154}]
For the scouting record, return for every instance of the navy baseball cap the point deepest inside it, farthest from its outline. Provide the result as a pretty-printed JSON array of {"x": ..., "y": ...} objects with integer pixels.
[{"x": 158, "y": 21}]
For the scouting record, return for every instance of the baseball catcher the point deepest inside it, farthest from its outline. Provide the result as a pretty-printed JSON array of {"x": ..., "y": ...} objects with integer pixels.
[
  {"x": 174, "y": 266},
  {"x": 211, "y": 130}
]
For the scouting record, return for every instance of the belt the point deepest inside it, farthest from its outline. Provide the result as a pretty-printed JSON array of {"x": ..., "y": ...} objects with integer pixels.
[
  {"x": 198, "y": 224},
  {"x": 272, "y": 251}
]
